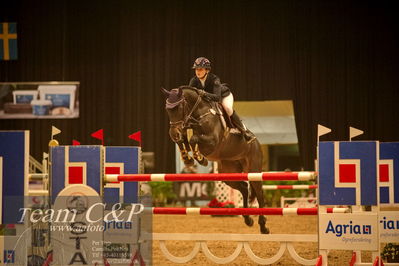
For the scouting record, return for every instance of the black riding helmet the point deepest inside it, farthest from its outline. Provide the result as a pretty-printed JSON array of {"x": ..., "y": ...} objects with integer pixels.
[{"x": 202, "y": 62}]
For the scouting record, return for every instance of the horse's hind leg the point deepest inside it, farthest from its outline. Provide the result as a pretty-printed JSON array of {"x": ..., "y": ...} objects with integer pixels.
[
  {"x": 243, "y": 188},
  {"x": 235, "y": 167},
  {"x": 256, "y": 188},
  {"x": 253, "y": 164}
]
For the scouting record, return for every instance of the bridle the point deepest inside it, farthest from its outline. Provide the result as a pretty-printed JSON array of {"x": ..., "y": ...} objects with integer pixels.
[{"x": 188, "y": 120}]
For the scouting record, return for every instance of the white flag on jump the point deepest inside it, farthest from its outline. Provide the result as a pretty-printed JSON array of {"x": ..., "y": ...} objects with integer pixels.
[
  {"x": 54, "y": 131},
  {"x": 322, "y": 130},
  {"x": 354, "y": 132}
]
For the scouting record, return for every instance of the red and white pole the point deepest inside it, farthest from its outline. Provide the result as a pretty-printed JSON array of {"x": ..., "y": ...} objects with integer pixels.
[
  {"x": 241, "y": 211},
  {"x": 274, "y": 187},
  {"x": 265, "y": 176}
]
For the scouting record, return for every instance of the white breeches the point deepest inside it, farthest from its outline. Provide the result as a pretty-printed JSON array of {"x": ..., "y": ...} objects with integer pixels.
[{"x": 227, "y": 103}]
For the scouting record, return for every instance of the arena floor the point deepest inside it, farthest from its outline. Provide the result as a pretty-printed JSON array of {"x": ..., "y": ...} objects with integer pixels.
[{"x": 208, "y": 224}]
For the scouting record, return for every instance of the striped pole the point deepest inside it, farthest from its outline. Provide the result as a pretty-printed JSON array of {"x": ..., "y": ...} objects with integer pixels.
[
  {"x": 274, "y": 187},
  {"x": 241, "y": 211},
  {"x": 265, "y": 176}
]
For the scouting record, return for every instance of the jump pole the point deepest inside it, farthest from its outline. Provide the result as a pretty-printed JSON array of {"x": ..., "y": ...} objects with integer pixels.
[
  {"x": 241, "y": 211},
  {"x": 265, "y": 176},
  {"x": 275, "y": 187}
]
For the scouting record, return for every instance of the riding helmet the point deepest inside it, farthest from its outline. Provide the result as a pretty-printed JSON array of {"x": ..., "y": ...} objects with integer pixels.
[{"x": 202, "y": 62}]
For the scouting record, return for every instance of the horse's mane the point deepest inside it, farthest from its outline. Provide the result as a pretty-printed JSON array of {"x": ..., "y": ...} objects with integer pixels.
[
  {"x": 190, "y": 92},
  {"x": 189, "y": 88}
]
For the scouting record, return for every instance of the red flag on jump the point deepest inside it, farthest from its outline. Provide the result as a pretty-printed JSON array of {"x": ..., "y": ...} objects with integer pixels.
[
  {"x": 99, "y": 134},
  {"x": 136, "y": 136},
  {"x": 75, "y": 143}
]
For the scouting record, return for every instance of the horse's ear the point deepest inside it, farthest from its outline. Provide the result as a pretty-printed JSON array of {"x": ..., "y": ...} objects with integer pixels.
[
  {"x": 179, "y": 93},
  {"x": 166, "y": 92}
]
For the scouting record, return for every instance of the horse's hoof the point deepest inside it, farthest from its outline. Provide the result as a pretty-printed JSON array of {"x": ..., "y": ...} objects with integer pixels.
[
  {"x": 249, "y": 221},
  {"x": 264, "y": 230},
  {"x": 189, "y": 162},
  {"x": 204, "y": 162}
]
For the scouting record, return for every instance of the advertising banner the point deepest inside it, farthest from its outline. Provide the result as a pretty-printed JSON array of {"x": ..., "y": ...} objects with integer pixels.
[{"x": 348, "y": 232}]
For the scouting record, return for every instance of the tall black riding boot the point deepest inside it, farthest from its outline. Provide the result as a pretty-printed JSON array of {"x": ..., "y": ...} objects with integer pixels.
[{"x": 240, "y": 126}]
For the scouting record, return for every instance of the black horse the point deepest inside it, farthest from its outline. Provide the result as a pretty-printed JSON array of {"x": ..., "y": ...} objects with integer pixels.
[{"x": 196, "y": 125}]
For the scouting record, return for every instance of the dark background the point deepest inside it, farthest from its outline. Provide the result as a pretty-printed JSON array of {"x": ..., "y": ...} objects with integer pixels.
[{"x": 337, "y": 60}]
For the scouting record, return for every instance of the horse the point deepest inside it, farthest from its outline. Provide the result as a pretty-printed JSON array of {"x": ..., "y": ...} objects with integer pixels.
[{"x": 196, "y": 125}]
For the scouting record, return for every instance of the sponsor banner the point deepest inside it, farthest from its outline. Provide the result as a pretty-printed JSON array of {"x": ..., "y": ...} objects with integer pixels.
[
  {"x": 79, "y": 229},
  {"x": 193, "y": 190},
  {"x": 389, "y": 226},
  {"x": 123, "y": 229},
  {"x": 348, "y": 231},
  {"x": 121, "y": 235}
]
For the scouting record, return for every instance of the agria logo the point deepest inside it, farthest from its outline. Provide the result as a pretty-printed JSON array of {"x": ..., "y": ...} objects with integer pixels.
[
  {"x": 388, "y": 224},
  {"x": 348, "y": 229}
]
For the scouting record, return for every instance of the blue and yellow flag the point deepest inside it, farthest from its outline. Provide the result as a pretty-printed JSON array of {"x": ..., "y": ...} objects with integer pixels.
[{"x": 8, "y": 41}]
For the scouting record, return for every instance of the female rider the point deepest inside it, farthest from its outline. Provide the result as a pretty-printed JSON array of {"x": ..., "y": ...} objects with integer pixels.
[{"x": 216, "y": 91}]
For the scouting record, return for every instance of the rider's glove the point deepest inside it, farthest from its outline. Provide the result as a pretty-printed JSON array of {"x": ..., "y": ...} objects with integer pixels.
[{"x": 211, "y": 97}]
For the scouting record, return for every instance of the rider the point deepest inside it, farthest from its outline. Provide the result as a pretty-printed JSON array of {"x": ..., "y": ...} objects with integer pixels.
[{"x": 216, "y": 91}]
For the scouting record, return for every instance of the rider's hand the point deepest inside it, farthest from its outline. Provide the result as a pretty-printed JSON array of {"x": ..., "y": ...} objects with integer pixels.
[
  {"x": 206, "y": 97},
  {"x": 211, "y": 97}
]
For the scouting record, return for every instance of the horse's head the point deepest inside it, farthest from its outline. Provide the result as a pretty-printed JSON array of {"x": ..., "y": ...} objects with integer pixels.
[{"x": 175, "y": 108}]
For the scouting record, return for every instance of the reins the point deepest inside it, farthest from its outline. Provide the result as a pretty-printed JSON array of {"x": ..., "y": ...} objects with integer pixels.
[{"x": 187, "y": 118}]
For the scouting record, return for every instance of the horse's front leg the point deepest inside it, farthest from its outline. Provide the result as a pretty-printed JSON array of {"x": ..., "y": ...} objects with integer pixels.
[
  {"x": 187, "y": 159},
  {"x": 199, "y": 157},
  {"x": 196, "y": 152}
]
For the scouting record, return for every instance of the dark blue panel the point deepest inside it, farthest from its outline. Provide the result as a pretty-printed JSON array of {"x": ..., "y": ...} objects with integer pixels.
[
  {"x": 129, "y": 156},
  {"x": 111, "y": 195},
  {"x": 92, "y": 156},
  {"x": 366, "y": 151},
  {"x": 12, "y": 149},
  {"x": 384, "y": 195},
  {"x": 57, "y": 159},
  {"x": 390, "y": 151},
  {"x": 329, "y": 194}
]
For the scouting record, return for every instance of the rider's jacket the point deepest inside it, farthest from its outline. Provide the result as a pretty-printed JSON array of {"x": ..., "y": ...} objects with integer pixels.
[{"x": 212, "y": 86}]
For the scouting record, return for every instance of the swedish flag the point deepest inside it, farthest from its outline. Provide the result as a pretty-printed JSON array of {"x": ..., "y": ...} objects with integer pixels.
[{"x": 8, "y": 41}]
